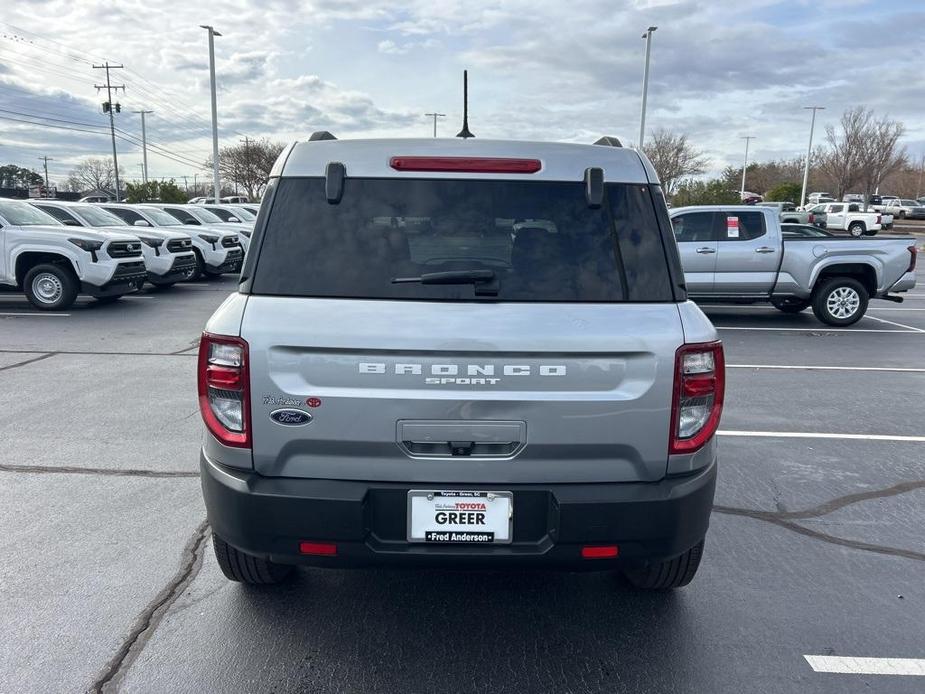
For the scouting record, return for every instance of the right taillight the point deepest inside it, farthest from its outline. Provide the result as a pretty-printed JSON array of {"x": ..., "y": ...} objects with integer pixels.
[
  {"x": 223, "y": 389},
  {"x": 913, "y": 251},
  {"x": 812, "y": 218},
  {"x": 699, "y": 383}
]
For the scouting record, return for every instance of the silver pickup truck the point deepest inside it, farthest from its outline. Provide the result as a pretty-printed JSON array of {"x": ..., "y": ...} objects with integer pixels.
[{"x": 738, "y": 253}]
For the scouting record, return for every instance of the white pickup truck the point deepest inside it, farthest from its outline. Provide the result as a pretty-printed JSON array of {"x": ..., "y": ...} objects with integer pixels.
[
  {"x": 52, "y": 263},
  {"x": 738, "y": 253},
  {"x": 850, "y": 217}
]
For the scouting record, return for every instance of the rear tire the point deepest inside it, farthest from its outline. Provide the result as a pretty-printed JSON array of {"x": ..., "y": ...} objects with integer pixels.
[
  {"x": 790, "y": 305},
  {"x": 666, "y": 575},
  {"x": 51, "y": 287},
  {"x": 840, "y": 301},
  {"x": 902, "y": 214},
  {"x": 856, "y": 229},
  {"x": 246, "y": 568}
]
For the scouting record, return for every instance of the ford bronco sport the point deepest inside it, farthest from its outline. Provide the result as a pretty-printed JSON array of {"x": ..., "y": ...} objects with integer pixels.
[{"x": 460, "y": 353}]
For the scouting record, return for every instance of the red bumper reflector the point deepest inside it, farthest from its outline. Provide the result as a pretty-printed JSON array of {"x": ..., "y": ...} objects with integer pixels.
[
  {"x": 325, "y": 549},
  {"x": 466, "y": 164},
  {"x": 599, "y": 552}
]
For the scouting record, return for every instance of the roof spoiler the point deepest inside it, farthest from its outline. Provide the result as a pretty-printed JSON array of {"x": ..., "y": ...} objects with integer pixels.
[
  {"x": 321, "y": 135},
  {"x": 609, "y": 141}
]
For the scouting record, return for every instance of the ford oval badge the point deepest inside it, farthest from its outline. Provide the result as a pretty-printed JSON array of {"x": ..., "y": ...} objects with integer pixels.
[{"x": 290, "y": 418}]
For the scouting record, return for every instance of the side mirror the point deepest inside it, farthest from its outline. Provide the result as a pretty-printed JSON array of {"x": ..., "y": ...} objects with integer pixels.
[
  {"x": 234, "y": 219},
  {"x": 141, "y": 223}
]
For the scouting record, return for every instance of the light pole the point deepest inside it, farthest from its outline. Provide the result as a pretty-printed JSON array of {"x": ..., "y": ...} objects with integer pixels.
[
  {"x": 747, "y": 138},
  {"x": 144, "y": 144},
  {"x": 216, "y": 182},
  {"x": 645, "y": 85},
  {"x": 809, "y": 151},
  {"x": 435, "y": 117}
]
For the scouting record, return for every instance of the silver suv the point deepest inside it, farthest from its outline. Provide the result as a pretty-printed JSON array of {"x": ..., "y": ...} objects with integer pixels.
[{"x": 460, "y": 353}]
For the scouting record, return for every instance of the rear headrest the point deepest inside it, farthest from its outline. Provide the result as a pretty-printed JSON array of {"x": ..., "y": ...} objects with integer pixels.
[{"x": 531, "y": 245}]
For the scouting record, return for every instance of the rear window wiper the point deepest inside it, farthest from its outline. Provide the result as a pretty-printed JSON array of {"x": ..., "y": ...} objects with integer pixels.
[{"x": 485, "y": 281}]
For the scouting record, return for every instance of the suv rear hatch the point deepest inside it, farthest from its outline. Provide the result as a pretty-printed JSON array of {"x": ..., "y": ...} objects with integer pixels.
[{"x": 532, "y": 340}]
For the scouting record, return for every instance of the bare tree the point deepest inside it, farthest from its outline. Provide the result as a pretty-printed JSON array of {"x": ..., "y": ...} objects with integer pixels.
[
  {"x": 881, "y": 153},
  {"x": 93, "y": 174},
  {"x": 248, "y": 164},
  {"x": 674, "y": 158}
]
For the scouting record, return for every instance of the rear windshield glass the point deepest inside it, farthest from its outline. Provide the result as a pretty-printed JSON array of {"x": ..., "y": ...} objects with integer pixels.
[{"x": 539, "y": 240}]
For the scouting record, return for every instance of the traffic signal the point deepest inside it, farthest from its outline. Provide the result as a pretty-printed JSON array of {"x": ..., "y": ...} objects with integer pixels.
[{"x": 105, "y": 107}]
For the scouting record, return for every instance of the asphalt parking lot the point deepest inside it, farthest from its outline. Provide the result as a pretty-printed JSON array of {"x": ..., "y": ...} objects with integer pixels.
[{"x": 815, "y": 548}]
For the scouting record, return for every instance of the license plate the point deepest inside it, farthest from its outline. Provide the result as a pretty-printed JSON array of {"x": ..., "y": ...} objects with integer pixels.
[{"x": 460, "y": 517}]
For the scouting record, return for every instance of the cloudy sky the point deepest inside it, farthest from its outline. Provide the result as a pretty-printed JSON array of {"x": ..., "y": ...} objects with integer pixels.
[{"x": 539, "y": 69}]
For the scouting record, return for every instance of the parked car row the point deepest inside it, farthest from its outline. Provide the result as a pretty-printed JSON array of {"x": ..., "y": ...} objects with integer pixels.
[{"x": 54, "y": 251}]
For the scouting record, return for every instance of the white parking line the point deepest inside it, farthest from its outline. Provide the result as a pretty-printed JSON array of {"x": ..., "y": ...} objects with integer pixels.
[
  {"x": 819, "y": 435},
  {"x": 824, "y": 368},
  {"x": 26, "y": 313},
  {"x": 900, "y": 325},
  {"x": 821, "y": 330},
  {"x": 707, "y": 307},
  {"x": 845, "y": 665}
]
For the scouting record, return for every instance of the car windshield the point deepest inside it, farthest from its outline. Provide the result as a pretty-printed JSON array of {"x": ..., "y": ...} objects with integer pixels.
[
  {"x": 97, "y": 217},
  {"x": 161, "y": 218},
  {"x": 23, "y": 214},
  {"x": 204, "y": 216}
]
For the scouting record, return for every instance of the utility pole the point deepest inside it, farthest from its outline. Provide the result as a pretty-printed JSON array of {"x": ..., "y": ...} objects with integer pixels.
[
  {"x": 110, "y": 107},
  {"x": 645, "y": 85},
  {"x": 748, "y": 139},
  {"x": 45, "y": 161},
  {"x": 809, "y": 152},
  {"x": 186, "y": 183},
  {"x": 435, "y": 117},
  {"x": 144, "y": 143},
  {"x": 215, "y": 177}
]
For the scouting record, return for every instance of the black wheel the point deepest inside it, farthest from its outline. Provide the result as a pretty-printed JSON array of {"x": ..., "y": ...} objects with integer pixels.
[
  {"x": 856, "y": 229},
  {"x": 50, "y": 287},
  {"x": 665, "y": 575},
  {"x": 790, "y": 305},
  {"x": 902, "y": 214},
  {"x": 108, "y": 299},
  {"x": 245, "y": 568},
  {"x": 840, "y": 301}
]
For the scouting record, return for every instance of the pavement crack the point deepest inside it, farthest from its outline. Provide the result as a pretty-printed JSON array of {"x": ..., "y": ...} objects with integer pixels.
[
  {"x": 849, "y": 499},
  {"x": 28, "y": 361},
  {"x": 777, "y": 519},
  {"x": 151, "y": 616},
  {"x": 70, "y": 470}
]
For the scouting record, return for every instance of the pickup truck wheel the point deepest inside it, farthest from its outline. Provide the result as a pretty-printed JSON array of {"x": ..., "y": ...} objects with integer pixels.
[
  {"x": 246, "y": 568},
  {"x": 840, "y": 301},
  {"x": 902, "y": 214},
  {"x": 50, "y": 287},
  {"x": 197, "y": 271},
  {"x": 856, "y": 229},
  {"x": 665, "y": 575},
  {"x": 790, "y": 305}
]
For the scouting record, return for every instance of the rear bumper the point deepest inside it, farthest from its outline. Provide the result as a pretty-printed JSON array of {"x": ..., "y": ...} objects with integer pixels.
[
  {"x": 904, "y": 283},
  {"x": 268, "y": 517}
]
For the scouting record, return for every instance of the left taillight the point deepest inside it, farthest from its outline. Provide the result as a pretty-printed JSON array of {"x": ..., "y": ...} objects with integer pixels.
[
  {"x": 224, "y": 397},
  {"x": 700, "y": 380}
]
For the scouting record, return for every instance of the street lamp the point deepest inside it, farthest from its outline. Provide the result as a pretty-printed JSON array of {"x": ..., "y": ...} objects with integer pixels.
[
  {"x": 747, "y": 138},
  {"x": 645, "y": 84},
  {"x": 216, "y": 181},
  {"x": 809, "y": 151}
]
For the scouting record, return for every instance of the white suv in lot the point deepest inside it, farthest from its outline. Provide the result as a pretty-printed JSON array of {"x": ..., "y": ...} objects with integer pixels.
[
  {"x": 217, "y": 252},
  {"x": 52, "y": 263},
  {"x": 168, "y": 254},
  {"x": 197, "y": 216}
]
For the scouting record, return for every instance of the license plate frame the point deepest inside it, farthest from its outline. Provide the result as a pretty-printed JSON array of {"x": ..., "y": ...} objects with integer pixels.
[{"x": 425, "y": 532}]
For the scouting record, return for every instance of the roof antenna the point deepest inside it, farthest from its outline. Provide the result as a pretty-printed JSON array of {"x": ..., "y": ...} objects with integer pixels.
[{"x": 464, "y": 133}]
